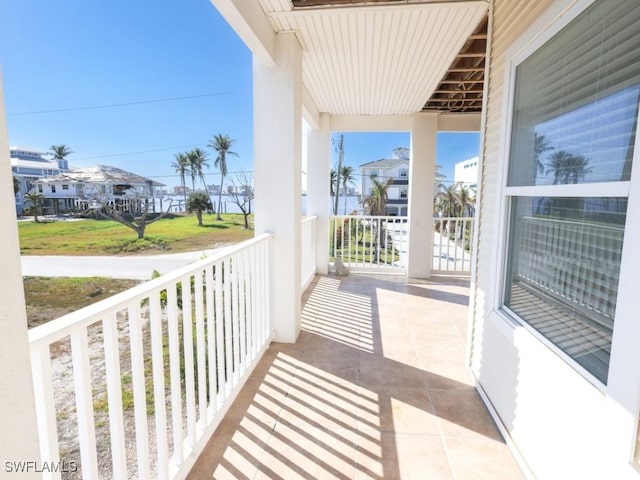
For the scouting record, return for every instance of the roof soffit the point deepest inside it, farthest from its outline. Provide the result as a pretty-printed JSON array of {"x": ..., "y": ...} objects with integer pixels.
[{"x": 376, "y": 59}]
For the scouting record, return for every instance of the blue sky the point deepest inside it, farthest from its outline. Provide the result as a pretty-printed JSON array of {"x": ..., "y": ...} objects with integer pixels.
[{"x": 72, "y": 54}]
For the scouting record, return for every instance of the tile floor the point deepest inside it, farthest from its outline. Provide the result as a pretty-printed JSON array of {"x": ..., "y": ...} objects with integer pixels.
[{"x": 374, "y": 388}]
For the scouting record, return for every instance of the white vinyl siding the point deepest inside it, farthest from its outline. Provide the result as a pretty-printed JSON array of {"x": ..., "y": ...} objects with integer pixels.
[{"x": 561, "y": 424}]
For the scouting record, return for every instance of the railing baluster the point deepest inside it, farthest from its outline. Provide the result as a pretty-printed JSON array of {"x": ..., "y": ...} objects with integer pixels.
[
  {"x": 189, "y": 368},
  {"x": 201, "y": 356},
  {"x": 139, "y": 390},
  {"x": 266, "y": 285},
  {"x": 228, "y": 333},
  {"x": 379, "y": 244},
  {"x": 220, "y": 364},
  {"x": 252, "y": 303},
  {"x": 45, "y": 407},
  {"x": 159, "y": 396},
  {"x": 235, "y": 310},
  {"x": 242, "y": 312},
  {"x": 174, "y": 367},
  {"x": 84, "y": 402},
  {"x": 350, "y": 241},
  {"x": 211, "y": 342},
  {"x": 114, "y": 395}
]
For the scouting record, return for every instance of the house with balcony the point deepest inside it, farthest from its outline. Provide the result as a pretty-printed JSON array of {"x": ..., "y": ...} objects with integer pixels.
[
  {"x": 29, "y": 165},
  {"x": 76, "y": 189},
  {"x": 395, "y": 170},
  {"x": 288, "y": 372}
]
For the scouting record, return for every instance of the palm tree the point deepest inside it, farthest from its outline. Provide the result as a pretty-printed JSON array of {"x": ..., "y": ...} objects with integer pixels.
[
  {"x": 447, "y": 200},
  {"x": 197, "y": 161},
  {"x": 377, "y": 199},
  {"x": 377, "y": 204},
  {"x": 60, "y": 153},
  {"x": 567, "y": 167},
  {"x": 36, "y": 199},
  {"x": 334, "y": 180},
  {"x": 347, "y": 178},
  {"x": 541, "y": 145},
  {"x": 199, "y": 202},
  {"x": 466, "y": 201},
  {"x": 221, "y": 144},
  {"x": 182, "y": 167}
]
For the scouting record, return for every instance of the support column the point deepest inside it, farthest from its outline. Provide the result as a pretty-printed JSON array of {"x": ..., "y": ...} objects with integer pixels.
[
  {"x": 277, "y": 116},
  {"x": 422, "y": 169},
  {"x": 318, "y": 189},
  {"x": 19, "y": 441}
]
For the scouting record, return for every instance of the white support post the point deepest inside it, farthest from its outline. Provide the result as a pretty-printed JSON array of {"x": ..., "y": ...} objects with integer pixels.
[
  {"x": 422, "y": 168},
  {"x": 318, "y": 191},
  {"x": 277, "y": 163},
  {"x": 19, "y": 442}
]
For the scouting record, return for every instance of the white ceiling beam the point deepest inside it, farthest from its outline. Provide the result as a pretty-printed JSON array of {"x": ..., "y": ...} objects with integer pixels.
[
  {"x": 459, "y": 122},
  {"x": 355, "y": 9},
  {"x": 310, "y": 111},
  {"x": 253, "y": 27},
  {"x": 371, "y": 123}
]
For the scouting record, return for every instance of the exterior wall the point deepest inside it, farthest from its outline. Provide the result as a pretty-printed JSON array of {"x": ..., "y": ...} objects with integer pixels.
[
  {"x": 28, "y": 166},
  {"x": 560, "y": 424},
  {"x": 466, "y": 172}
]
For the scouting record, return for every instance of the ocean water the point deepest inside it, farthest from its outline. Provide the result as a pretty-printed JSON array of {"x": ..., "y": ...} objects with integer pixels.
[{"x": 228, "y": 206}]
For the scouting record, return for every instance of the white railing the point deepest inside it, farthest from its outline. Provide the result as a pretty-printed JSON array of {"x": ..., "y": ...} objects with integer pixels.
[
  {"x": 574, "y": 262},
  {"x": 134, "y": 386},
  {"x": 452, "y": 243},
  {"x": 370, "y": 243},
  {"x": 308, "y": 250}
]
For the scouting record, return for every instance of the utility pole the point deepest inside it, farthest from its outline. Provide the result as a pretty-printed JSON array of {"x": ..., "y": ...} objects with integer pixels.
[{"x": 340, "y": 149}]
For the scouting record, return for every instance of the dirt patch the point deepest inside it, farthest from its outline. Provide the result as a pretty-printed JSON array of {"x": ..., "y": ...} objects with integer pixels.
[{"x": 49, "y": 298}]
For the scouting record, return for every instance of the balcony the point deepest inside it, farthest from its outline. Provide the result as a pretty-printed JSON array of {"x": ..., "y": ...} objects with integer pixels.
[{"x": 374, "y": 387}]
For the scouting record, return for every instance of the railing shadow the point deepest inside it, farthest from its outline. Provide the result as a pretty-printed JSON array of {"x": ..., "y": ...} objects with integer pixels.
[{"x": 348, "y": 396}]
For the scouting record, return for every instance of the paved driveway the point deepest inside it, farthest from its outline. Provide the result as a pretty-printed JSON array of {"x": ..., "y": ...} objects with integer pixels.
[{"x": 132, "y": 267}]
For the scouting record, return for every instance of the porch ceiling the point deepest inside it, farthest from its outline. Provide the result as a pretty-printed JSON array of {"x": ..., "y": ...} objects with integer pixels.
[{"x": 376, "y": 59}]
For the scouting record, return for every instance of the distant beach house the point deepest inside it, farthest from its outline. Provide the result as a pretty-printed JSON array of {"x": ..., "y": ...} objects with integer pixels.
[
  {"x": 466, "y": 173},
  {"x": 78, "y": 188},
  {"x": 29, "y": 165},
  {"x": 395, "y": 169}
]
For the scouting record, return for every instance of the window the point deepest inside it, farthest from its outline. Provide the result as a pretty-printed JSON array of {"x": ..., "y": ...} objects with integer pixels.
[
  {"x": 403, "y": 193},
  {"x": 65, "y": 187},
  {"x": 373, "y": 173},
  {"x": 574, "y": 122},
  {"x": 404, "y": 173},
  {"x": 39, "y": 188},
  {"x": 53, "y": 189}
]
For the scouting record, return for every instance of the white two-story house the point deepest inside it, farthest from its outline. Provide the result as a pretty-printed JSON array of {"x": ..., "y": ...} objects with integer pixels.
[
  {"x": 395, "y": 169},
  {"x": 28, "y": 165}
]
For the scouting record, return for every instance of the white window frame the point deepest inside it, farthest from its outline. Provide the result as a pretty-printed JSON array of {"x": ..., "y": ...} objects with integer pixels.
[{"x": 554, "y": 19}]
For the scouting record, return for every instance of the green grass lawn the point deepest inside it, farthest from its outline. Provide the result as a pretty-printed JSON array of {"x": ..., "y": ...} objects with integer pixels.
[{"x": 177, "y": 233}]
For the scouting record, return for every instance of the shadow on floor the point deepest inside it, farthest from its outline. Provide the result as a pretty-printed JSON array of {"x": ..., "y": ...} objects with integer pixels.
[{"x": 374, "y": 388}]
